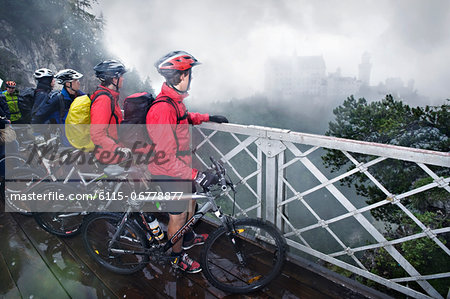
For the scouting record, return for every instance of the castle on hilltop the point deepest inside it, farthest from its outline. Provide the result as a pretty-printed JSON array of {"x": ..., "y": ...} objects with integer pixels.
[{"x": 299, "y": 76}]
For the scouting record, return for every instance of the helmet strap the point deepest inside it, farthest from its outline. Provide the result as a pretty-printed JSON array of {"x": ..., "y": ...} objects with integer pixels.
[
  {"x": 176, "y": 89},
  {"x": 117, "y": 84},
  {"x": 190, "y": 78}
]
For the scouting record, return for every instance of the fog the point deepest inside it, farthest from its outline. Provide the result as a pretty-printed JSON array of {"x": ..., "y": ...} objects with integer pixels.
[{"x": 409, "y": 39}]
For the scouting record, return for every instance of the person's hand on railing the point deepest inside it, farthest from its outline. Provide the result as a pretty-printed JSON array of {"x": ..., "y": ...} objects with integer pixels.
[{"x": 218, "y": 119}]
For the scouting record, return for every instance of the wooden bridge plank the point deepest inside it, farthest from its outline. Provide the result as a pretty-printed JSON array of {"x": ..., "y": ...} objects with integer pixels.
[
  {"x": 31, "y": 275},
  {"x": 158, "y": 280},
  {"x": 8, "y": 287},
  {"x": 74, "y": 276},
  {"x": 79, "y": 276}
]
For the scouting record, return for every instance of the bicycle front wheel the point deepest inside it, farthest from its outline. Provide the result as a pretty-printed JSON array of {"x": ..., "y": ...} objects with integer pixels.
[
  {"x": 245, "y": 259},
  {"x": 124, "y": 255}
]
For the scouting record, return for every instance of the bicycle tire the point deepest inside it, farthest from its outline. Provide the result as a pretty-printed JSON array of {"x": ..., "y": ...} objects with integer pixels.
[
  {"x": 97, "y": 232},
  {"x": 60, "y": 223},
  {"x": 262, "y": 259},
  {"x": 20, "y": 179},
  {"x": 15, "y": 160},
  {"x": 12, "y": 161}
]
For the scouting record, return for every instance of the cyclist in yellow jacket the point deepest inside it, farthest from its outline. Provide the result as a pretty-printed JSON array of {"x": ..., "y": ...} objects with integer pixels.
[{"x": 11, "y": 96}]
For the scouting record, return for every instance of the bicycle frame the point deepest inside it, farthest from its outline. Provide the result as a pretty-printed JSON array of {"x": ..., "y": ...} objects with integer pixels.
[{"x": 210, "y": 205}]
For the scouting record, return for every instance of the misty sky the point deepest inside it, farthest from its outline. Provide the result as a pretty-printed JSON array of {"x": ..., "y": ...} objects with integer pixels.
[{"x": 408, "y": 39}]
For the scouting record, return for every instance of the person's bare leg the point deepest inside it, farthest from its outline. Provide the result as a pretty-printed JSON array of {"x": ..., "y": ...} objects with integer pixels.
[
  {"x": 175, "y": 223},
  {"x": 191, "y": 210}
]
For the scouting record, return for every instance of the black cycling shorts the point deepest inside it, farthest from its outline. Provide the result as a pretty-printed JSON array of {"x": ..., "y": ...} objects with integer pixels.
[{"x": 172, "y": 184}]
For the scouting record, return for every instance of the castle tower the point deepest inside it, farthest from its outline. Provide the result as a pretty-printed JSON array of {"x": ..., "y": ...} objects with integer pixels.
[{"x": 365, "y": 68}]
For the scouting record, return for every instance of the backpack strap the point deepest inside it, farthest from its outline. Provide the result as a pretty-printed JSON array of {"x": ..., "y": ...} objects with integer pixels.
[
  {"x": 179, "y": 119},
  {"x": 172, "y": 102},
  {"x": 113, "y": 108}
]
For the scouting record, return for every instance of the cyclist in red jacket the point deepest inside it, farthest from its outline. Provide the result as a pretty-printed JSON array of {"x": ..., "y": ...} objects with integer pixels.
[
  {"x": 168, "y": 127},
  {"x": 106, "y": 114}
]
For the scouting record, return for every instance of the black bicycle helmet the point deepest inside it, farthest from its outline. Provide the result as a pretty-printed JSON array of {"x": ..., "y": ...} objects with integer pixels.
[
  {"x": 67, "y": 75},
  {"x": 109, "y": 69}
]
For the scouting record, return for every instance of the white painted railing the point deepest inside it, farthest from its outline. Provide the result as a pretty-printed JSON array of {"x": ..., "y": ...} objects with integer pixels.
[{"x": 325, "y": 220}]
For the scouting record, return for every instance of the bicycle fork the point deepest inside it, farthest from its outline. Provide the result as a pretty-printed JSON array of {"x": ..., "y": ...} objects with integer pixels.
[
  {"x": 228, "y": 223},
  {"x": 231, "y": 233},
  {"x": 118, "y": 233}
]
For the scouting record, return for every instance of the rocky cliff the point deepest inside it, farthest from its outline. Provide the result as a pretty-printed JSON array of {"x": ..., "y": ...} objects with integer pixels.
[{"x": 51, "y": 34}]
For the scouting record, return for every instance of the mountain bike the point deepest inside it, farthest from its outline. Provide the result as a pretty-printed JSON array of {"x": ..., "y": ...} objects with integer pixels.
[
  {"x": 68, "y": 223},
  {"x": 240, "y": 256}
]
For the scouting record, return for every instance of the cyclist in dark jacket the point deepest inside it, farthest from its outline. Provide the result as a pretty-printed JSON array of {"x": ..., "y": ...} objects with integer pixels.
[
  {"x": 4, "y": 119},
  {"x": 4, "y": 112},
  {"x": 57, "y": 107},
  {"x": 46, "y": 82}
]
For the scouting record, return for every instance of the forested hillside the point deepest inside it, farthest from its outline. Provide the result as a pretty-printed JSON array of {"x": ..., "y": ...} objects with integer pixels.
[{"x": 56, "y": 35}]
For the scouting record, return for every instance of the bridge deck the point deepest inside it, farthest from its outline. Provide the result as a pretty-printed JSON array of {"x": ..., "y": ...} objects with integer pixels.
[{"x": 36, "y": 264}]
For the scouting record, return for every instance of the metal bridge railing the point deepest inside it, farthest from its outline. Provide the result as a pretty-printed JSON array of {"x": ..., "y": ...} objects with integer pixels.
[{"x": 281, "y": 178}]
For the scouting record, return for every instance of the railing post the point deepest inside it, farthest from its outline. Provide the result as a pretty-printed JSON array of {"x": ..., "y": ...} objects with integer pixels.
[
  {"x": 271, "y": 188},
  {"x": 280, "y": 193},
  {"x": 259, "y": 183},
  {"x": 272, "y": 149}
]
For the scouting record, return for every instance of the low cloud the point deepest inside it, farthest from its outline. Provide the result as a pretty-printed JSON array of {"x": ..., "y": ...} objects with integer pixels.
[{"x": 233, "y": 39}]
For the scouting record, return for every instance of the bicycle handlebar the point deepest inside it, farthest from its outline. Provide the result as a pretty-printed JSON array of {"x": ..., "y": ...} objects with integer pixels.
[{"x": 220, "y": 170}]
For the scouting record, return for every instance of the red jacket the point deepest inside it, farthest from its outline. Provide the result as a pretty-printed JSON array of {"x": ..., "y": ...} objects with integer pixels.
[
  {"x": 172, "y": 138},
  {"x": 104, "y": 125}
]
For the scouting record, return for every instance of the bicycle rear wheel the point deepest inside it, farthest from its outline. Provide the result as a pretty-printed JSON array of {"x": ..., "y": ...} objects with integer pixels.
[
  {"x": 12, "y": 161},
  {"x": 247, "y": 259},
  {"x": 126, "y": 255},
  {"x": 19, "y": 180},
  {"x": 63, "y": 224},
  {"x": 60, "y": 222}
]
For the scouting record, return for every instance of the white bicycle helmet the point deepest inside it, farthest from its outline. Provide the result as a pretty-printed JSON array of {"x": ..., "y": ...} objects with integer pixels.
[{"x": 43, "y": 72}]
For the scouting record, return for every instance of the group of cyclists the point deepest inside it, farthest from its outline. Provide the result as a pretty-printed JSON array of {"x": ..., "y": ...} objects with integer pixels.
[{"x": 167, "y": 124}]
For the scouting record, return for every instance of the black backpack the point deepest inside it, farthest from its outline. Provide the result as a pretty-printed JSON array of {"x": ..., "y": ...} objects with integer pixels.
[
  {"x": 136, "y": 106},
  {"x": 26, "y": 102}
]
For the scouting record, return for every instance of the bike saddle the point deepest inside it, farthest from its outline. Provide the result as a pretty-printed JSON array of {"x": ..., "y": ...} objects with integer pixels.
[{"x": 113, "y": 170}]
